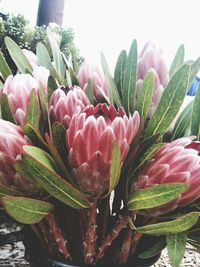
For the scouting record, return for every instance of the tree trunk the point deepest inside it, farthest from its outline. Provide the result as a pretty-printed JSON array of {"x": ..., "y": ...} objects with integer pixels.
[{"x": 50, "y": 11}]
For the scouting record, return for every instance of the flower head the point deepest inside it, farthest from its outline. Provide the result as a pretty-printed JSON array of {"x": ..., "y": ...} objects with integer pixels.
[
  {"x": 91, "y": 72},
  {"x": 177, "y": 162},
  {"x": 12, "y": 140},
  {"x": 65, "y": 102},
  {"x": 90, "y": 140},
  {"x": 151, "y": 59},
  {"x": 18, "y": 89}
]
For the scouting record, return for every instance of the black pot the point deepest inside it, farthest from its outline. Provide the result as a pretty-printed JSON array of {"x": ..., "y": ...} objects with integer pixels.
[{"x": 37, "y": 257}]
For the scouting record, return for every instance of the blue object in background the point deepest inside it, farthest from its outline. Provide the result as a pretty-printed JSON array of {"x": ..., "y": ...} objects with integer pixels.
[{"x": 194, "y": 86}]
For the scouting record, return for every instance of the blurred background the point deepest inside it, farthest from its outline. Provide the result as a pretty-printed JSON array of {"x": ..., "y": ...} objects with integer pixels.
[{"x": 111, "y": 25}]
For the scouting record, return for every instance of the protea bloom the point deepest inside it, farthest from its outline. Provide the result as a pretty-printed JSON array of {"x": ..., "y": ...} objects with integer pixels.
[
  {"x": 65, "y": 102},
  {"x": 177, "y": 162},
  {"x": 90, "y": 139},
  {"x": 151, "y": 59},
  {"x": 91, "y": 72},
  {"x": 12, "y": 140},
  {"x": 18, "y": 89}
]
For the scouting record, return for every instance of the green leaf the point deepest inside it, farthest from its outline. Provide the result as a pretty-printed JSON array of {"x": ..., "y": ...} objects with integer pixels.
[
  {"x": 194, "y": 69},
  {"x": 57, "y": 55},
  {"x": 35, "y": 136},
  {"x": 179, "y": 225},
  {"x": 50, "y": 181},
  {"x": 176, "y": 247},
  {"x": 183, "y": 122},
  {"x": 4, "y": 191},
  {"x": 112, "y": 89},
  {"x": 154, "y": 250},
  {"x": 18, "y": 56},
  {"x": 33, "y": 112},
  {"x": 44, "y": 58},
  {"x": 170, "y": 102},
  {"x": 26, "y": 210},
  {"x": 89, "y": 92},
  {"x": 145, "y": 95},
  {"x": 6, "y": 112},
  {"x": 52, "y": 86},
  {"x": 59, "y": 139},
  {"x": 178, "y": 60},
  {"x": 155, "y": 196},
  {"x": 4, "y": 68},
  {"x": 119, "y": 71},
  {"x": 59, "y": 162},
  {"x": 129, "y": 82},
  {"x": 195, "y": 125},
  {"x": 114, "y": 167},
  {"x": 41, "y": 156}
]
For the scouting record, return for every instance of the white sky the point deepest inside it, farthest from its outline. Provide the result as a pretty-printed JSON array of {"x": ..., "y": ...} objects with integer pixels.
[{"x": 111, "y": 25}]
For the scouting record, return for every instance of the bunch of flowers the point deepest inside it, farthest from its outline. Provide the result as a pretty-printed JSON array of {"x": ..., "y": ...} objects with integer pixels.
[{"x": 87, "y": 161}]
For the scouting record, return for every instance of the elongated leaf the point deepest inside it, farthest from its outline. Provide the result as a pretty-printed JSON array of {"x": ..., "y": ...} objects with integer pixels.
[
  {"x": 129, "y": 83},
  {"x": 145, "y": 95},
  {"x": 41, "y": 156},
  {"x": 154, "y": 250},
  {"x": 35, "y": 136},
  {"x": 4, "y": 68},
  {"x": 89, "y": 92},
  {"x": 178, "y": 60},
  {"x": 115, "y": 167},
  {"x": 59, "y": 139},
  {"x": 18, "y": 56},
  {"x": 119, "y": 71},
  {"x": 6, "y": 191},
  {"x": 50, "y": 181},
  {"x": 155, "y": 196},
  {"x": 26, "y": 210},
  {"x": 176, "y": 248},
  {"x": 57, "y": 55},
  {"x": 52, "y": 86},
  {"x": 179, "y": 225},
  {"x": 170, "y": 102},
  {"x": 44, "y": 58},
  {"x": 194, "y": 69},
  {"x": 59, "y": 162},
  {"x": 195, "y": 125},
  {"x": 112, "y": 89},
  {"x": 6, "y": 112},
  {"x": 33, "y": 112},
  {"x": 183, "y": 122}
]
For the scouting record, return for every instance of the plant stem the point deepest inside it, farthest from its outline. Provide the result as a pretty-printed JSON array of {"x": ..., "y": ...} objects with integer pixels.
[
  {"x": 104, "y": 210},
  {"x": 91, "y": 235},
  {"x": 135, "y": 239},
  {"x": 126, "y": 246},
  {"x": 121, "y": 224},
  {"x": 56, "y": 232}
]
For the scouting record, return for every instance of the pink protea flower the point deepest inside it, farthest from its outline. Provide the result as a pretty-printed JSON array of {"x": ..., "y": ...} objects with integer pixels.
[
  {"x": 94, "y": 73},
  {"x": 177, "y": 162},
  {"x": 32, "y": 58},
  {"x": 12, "y": 140},
  {"x": 18, "y": 89},
  {"x": 151, "y": 59},
  {"x": 90, "y": 139},
  {"x": 65, "y": 102}
]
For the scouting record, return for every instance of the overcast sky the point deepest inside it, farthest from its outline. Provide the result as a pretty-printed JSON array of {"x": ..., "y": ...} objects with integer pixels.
[{"x": 111, "y": 25}]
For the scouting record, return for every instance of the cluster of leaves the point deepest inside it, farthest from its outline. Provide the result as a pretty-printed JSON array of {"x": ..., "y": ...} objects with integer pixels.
[
  {"x": 19, "y": 29},
  {"x": 44, "y": 165}
]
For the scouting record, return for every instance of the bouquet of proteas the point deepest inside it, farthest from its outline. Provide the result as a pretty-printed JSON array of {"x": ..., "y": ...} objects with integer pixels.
[{"x": 88, "y": 160}]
